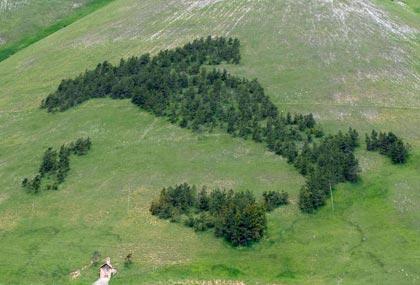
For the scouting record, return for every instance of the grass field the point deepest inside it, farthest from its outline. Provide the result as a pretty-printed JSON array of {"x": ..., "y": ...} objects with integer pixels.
[
  {"x": 24, "y": 22},
  {"x": 22, "y": 18},
  {"x": 351, "y": 63}
]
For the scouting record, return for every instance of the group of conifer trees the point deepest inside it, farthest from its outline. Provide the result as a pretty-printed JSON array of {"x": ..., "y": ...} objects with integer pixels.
[
  {"x": 162, "y": 75},
  {"x": 388, "y": 144},
  {"x": 174, "y": 84},
  {"x": 325, "y": 164},
  {"x": 235, "y": 216},
  {"x": 55, "y": 165}
]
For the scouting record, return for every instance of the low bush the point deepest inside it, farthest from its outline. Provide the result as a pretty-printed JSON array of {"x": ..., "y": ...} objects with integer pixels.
[{"x": 275, "y": 199}]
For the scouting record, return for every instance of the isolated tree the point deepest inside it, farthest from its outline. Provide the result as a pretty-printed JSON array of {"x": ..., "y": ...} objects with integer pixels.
[{"x": 81, "y": 146}]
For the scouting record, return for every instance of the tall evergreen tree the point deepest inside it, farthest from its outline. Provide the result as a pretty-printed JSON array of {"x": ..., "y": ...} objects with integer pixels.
[{"x": 49, "y": 162}]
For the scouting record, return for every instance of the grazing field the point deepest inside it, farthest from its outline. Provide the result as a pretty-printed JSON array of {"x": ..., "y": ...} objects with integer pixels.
[
  {"x": 351, "y": 63},
  {"x": 24, "y": 22}
]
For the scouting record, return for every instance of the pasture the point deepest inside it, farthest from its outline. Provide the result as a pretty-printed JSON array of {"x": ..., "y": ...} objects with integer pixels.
[{"x": 351, "y": 63}]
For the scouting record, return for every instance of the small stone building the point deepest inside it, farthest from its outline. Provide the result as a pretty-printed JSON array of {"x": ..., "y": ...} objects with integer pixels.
[{"x": 106, "y": 271}]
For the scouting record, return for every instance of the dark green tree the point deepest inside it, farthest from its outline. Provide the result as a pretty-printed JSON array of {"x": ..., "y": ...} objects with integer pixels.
[
  {"x": 49, "y": 162},
  {"x": 275, "y": 199},
  {"x": 203, "y": 200},
  {"x": 244, "y": 221},
  {"x": 398, "y": 152}
]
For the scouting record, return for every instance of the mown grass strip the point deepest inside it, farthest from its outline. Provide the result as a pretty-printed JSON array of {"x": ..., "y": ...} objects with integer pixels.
[{"x": 12, "y": 48}]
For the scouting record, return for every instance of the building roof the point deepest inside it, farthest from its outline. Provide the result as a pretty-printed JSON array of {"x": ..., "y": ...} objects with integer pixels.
[{"x": 106, "y": 264}]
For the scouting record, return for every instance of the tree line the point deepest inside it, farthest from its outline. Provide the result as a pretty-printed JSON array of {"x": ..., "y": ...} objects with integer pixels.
[
  {"x": 165, "y": 73},
  {"x": 235, "y": 216},
  {"x": 388, "y": 144},
  {"x": 55, "y": 166}
]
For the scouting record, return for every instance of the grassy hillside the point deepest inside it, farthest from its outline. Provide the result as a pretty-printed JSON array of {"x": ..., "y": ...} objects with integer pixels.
[
  {"x": 413, "y": 5},
  {"x": 21, "y": 18},
  {"x": 23, "y": 22},
  {"x": 349, "y": 62}
]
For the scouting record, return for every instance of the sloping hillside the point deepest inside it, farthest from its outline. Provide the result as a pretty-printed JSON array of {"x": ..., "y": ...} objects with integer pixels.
[
  {"x": 23, "y": 22},
  {"x": 351, "y": 63}
]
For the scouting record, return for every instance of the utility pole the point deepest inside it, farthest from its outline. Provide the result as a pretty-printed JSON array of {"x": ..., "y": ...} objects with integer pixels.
[
  {"x": 128, "y": 199},
  {"x": 332, "y": 199},
  {"x": 32, "y": 213}
]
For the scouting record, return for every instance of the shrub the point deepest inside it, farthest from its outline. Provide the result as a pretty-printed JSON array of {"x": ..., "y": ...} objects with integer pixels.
[
  {"x": 81, "y": 146},
  {"x": 201, "y": 222},
  {"x": 32, "y": 185},
  {"x": 128, "y": 260},
  {"x": 310, "y": 199},
  {"x": 275, "y": 199},
  {"x": 96, "y": 256}
]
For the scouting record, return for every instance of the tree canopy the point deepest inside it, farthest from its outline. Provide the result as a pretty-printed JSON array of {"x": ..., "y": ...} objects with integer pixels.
[
  {"x": 388, "y": 144},
  {"x": 235, "y": 216}
]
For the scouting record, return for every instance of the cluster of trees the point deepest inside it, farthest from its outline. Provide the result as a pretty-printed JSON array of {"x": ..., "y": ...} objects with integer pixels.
[
  {"x": 161, "y": 75},
  {"x": 55, "y": 165},
  {"x": 174, "y": 84},
  {"x": 325, "y": 164},
  {"x": 388, "y": 144},
  {"x": 235, "y": 216}
]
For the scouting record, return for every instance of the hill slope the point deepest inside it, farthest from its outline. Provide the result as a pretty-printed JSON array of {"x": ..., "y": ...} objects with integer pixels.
[
  {"x": 349, "y": 62},
  {"x": 23, "y": 22}
]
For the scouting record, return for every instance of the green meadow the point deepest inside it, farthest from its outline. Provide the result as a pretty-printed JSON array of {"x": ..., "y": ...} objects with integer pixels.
[
  {"x": 24, "y": 22},
  {"x": 350, "y": 63}
]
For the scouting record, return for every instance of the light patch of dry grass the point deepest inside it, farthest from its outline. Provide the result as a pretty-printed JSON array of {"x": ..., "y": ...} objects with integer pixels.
[{"x": 9, "y": 219}]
